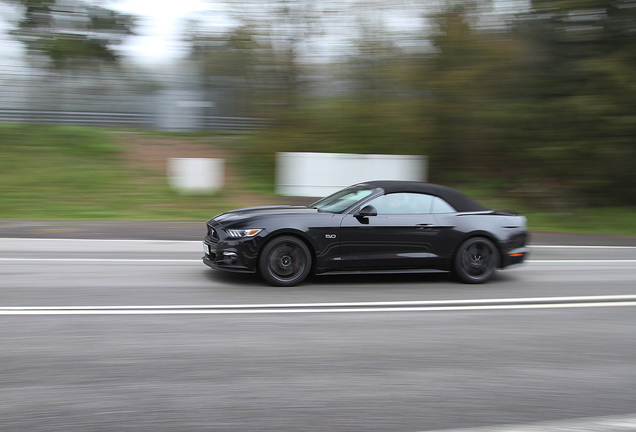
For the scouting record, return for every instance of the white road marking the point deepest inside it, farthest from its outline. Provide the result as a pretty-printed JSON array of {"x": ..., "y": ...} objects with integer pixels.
[
  {"x": 625, "y": 423},
  {"x": 54, "y": 240},
  {"x": 580, "y": 261},
  {"x": 297, "y": 311},
  {"x": 107, "y": 260},
  {"x": 190, "y": 261},
  {"x": 396, "y": 306},
  {"x": 198, "y": 262},
  {"x": 579, "y": 247}
]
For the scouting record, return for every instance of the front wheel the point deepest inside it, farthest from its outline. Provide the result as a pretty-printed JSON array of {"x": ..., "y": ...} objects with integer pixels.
[
  {"x": 285, "y": 261},
  {"x": 476, "y": 260}
]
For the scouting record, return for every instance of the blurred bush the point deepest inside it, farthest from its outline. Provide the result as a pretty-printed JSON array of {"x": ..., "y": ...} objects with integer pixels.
[
  {"x": 541, "y": 98},
  {"x": 544, "y": 100}
]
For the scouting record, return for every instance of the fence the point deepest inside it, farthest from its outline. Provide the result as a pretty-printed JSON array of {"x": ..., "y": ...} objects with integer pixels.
[
  {"x": 173, "y": 102},
  {"x": 144, "y": 121}
]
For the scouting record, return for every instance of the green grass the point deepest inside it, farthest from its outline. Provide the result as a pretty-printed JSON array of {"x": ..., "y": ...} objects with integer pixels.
[
  {"x": 615, "y": 221},
  {"x": 605, "y": 220},
  {"x": 78, "y": 173},
  {"x": 71, "y": 173}
]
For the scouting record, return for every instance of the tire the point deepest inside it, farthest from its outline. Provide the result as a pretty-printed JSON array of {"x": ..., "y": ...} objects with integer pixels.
[
  {"x": 476, "y": 260},
  {"x": 285, "y": 261}
]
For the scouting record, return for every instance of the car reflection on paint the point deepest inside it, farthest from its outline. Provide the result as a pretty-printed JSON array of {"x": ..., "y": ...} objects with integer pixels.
[{"x": 376, "y": 226}]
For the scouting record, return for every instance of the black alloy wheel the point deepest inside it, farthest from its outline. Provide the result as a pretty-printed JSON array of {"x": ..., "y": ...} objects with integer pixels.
[
  {"x": 285, "y": 261},
  {"x": 476, "y": 260}
]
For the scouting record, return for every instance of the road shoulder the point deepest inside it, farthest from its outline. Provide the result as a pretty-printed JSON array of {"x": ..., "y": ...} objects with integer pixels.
[{"x": 195, "y": 231}]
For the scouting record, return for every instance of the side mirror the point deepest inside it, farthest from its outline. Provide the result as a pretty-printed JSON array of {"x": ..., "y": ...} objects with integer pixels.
[{"x": 367, "y": 211}]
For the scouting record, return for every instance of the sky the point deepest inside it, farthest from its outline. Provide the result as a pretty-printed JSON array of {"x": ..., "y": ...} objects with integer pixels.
[
  {"x": 158, "y": 39},
  {"x": 10, "y": 50},
  {"x": 162, "y": 24},
  {"x": 162, "y": 27}
]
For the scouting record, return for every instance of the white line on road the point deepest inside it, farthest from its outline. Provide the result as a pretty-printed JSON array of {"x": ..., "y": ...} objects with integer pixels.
[
  {"x": 107, "y": 260},
  {"x": 198, "y": 261},
  {"x": 579, "y": 247},
  {"x": 54, "y": 240},
  {"x": 581, "y": 261},
  {"x": 200, "y": 241},
  {"x": 397, "y": 306},
  {"x": 624, "y": 423},
  {"x": 300, "y": 311}
]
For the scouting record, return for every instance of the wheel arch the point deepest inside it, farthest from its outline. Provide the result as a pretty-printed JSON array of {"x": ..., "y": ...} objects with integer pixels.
[
  {"x": 486, "y": 235},
  {"x": 289, "y": 232}
]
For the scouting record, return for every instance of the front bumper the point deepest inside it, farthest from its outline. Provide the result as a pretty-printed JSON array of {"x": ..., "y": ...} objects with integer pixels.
[
  {"x": 227, "y": 257},
  {"x": 236, "y": 269}
]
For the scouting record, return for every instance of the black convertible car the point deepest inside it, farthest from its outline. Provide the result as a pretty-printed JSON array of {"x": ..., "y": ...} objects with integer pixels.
[{"x": 377, "y": 226}]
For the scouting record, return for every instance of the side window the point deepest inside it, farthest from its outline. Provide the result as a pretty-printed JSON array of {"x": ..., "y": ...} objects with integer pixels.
[
  {"x": 441, "y": 206},
  {"x": 402, "y": 203}
]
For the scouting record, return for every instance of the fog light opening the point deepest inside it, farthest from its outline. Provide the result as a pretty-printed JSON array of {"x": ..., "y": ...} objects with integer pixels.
[{"x": 230, "y": 258}]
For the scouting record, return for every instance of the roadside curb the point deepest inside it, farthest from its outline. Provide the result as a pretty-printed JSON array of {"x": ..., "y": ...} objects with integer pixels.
[{"x": 142, "y": 230}]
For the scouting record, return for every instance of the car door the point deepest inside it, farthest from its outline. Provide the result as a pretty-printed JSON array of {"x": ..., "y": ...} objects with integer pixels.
[{"x": 403, "y": 234}]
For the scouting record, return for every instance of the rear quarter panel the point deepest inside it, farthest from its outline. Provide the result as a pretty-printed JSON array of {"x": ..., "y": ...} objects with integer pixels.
[{"x": 506, "y": 231}]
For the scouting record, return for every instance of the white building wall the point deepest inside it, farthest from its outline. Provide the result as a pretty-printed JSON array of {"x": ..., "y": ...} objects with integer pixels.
[
  {"x": 196, "y": 175},
  {"x": 320, "y": 174}
]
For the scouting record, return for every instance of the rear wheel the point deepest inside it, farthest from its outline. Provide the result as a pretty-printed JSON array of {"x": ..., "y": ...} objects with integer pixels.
[
  {"x": 285, "y": 261},
  {"x": 476, "y": 260}
]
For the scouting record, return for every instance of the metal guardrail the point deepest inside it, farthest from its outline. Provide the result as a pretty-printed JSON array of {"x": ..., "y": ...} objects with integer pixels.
[
  {"x": 239, "y": 124},
  {"x": 242, "y": 124},
  {"x": 121, "y": 98},
  {"x": 74, "y": 117}
]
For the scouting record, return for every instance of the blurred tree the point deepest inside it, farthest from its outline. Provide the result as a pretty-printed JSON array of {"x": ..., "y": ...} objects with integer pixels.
[
  {"x": 263, "y": 52},
  {"x": 465, "y": 80},
  {"x": 547, "y": 101},
  {"x": 582, "y": 87},
  {"x": 229, "y": 62},
  {"x": 69, "y": 33}
]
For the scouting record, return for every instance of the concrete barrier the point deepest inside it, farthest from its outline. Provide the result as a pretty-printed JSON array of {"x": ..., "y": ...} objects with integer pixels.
[
  {"x": 320, "y": 174},
  {"x": 196, "y": 175}
]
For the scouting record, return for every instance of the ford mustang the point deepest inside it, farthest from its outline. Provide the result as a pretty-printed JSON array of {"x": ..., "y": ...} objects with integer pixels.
[{"x": 377, "y": 226}]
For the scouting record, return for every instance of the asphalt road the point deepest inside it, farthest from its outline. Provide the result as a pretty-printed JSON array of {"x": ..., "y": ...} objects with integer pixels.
[{"x": 109, "y": 335}]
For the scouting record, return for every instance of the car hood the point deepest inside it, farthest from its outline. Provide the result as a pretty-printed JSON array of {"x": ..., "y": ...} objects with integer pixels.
[{"x": 253, "y": 212}]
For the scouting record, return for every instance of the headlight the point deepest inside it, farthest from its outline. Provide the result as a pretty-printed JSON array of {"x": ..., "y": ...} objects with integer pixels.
[{"x": 242, "y": 233}]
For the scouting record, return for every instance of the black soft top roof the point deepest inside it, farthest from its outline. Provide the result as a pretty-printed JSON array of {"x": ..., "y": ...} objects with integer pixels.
[{"x": 457, "y": 199}]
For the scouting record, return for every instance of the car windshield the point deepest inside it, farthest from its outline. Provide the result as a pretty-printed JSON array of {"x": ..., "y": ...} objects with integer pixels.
[{"x": 342, "y": 200}]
